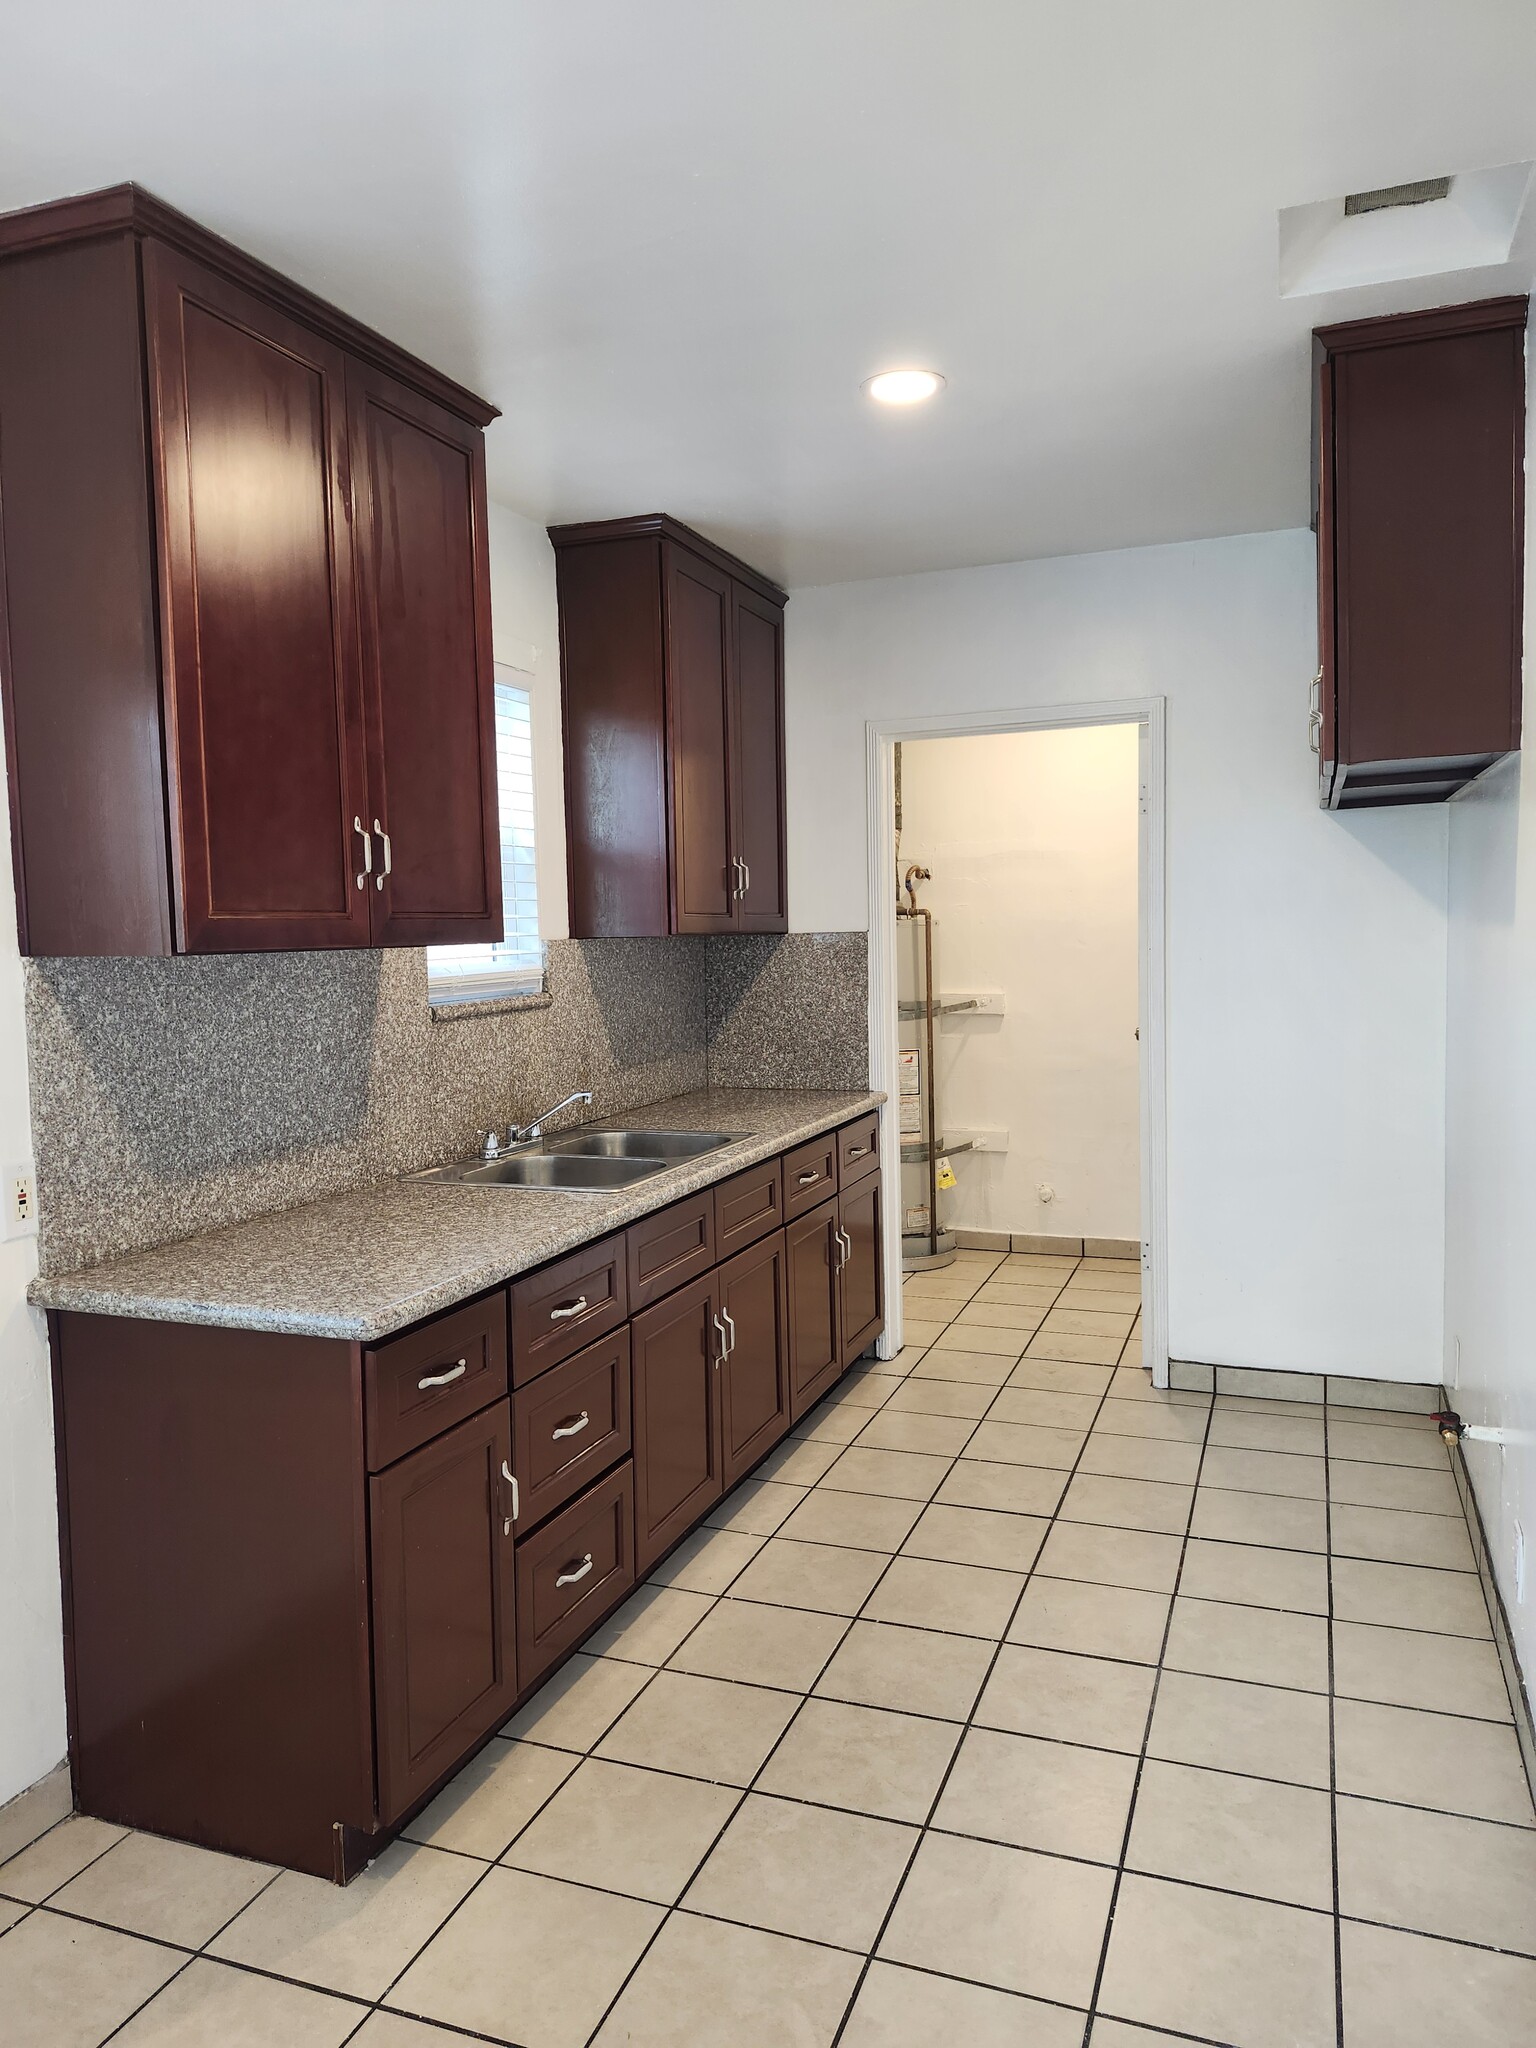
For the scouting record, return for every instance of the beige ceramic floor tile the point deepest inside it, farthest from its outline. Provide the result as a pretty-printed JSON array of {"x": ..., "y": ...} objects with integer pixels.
[
  {"x": 961, "y": 1398},
  {"x": 700, "y": 1728},
  {"x": 981, "y": 1536},
  {"x": 1011, "y": 1489},
  {"x": 1397, "y": 1537},
  {"x": 761, "y": 1645},
  {"x": 1050, "y": 1796},
  {"x": 1227, "y": 1969},
  {"x": 1254, "y": 1576},
  {"x": 64, "y": 1984},
  {"x": 1392, "y": 1486},
  {"x": 706, "y": 1984},
  {"x": 650, "y": 1625},
  {"x": 904, "y": 1475},
  {"x": 1438, "y": 1760},
  {"x": 1438, "y": 1873},
  {"x": 211, "y": 2003},
  {"x": 709, "y": 1560},
  {"x": 1272, "y": 1841},
  {"x": 12, "y": 1910},
  {"x": 575, "y": 1708},
  {"x": 1152, "y": 1419},
  {"x": 1116, "y": 2034},
  {"x": 625, "y": 1830},
  {"x": 1111, "y": 1557},
  {"x": 1084, "y": 1350},
  {"x": 861, "y": 1521},
  {"x": 1128, "y": 1503},
  {"x": 920, "y": 1330},
  {"x": 1066, "y": 1320},
  {"x": 972, "y": 1364},
  {"x": 862, "y": 1758},
  {"x": 1141, "y": 1457},
  {"x": 1263, "y": 1730},
  {"x": 1281, "y": 1472},
  {"x": 1012, "y": 1443},
  {"x": 1407, "y": 1668},
  {"x": 1243, "y": 1430},
  {"x": 757, "y": 1507},
  {"x": 1032, "y": 1405},
  {"x": 1002, "y": 1315},
  {"x": 1261, "y": 1518},
  {"x": 830, "y": 1578},
  {"x": 394, "y": 2030},
  {"x": 1002, "y": 1916},
  {"x": 1258, "y": 1643},
  {"x": 54, "y": 1858},
  {"x": 1370, "y": 1444},
  {"x": 1405, "y": 1991},
  {"x": 839, "y": 1425},
  {"x": 807, "y": 1871},
  {"x": 167, "y": 1890},
  {"x": 868, "y": 1389},
  {"x": 529, "y": 1960},
  {"x": 1410, "y": 1596},
  {"x": 1067, "y": 1699},
  {"x": 961, "y": 1598},
  {"x": 899, "y": 2008},
  {"x": 900, "y": 1430},
  {"x": 1061, "y": 1375},
  {"x": 800, "y": 1463},
  {"x": 356, "y": 1939},
  {"x": 910, "y": 1670},
  {"x": 35, "y": 1811},
  {"x": 1092, "y": 1620},
  {"x": 497, "y": 1793}
]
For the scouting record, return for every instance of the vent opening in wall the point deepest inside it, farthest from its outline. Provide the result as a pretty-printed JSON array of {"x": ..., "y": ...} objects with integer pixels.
[{"x": 1417, "y": 194}]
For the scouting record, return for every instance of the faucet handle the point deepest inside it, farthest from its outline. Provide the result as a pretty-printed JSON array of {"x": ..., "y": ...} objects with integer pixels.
[{"x": 490, "y": 1145}]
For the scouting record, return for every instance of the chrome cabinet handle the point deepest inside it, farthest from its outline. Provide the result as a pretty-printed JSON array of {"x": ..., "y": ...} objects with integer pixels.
[
  {"x": 361, "y": 831},
  {"x": 736, "y": 870},
  {"x": 444, "y": 1379},
  {"x": 574, "y": 1572},
  {"x": 845, "y": 1246},
  {"x": 806, "y": 1179},
  {"x": 573, "y": 1426},
  {"x": 389, "y": 861},
  {"x": 746, "y": 878},
  {"x": 1315, "y": 715},
  {"x": 567, "y": 1309},
  {"x": 857, "y": 1151},
  {"x": 725, "y": 1347},
  {"x": 730, "y": 1323},
  {"x": 511, "y": 1478}
]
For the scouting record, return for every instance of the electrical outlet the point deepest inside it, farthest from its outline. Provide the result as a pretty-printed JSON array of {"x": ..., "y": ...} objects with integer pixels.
[{"x": 20, "y": 1200}]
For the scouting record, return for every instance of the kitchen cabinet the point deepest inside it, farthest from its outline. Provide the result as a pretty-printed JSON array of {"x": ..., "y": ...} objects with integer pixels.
[
  {"x": 672, "y": 674},
  {"x": 246, "y": 632},
  {"x": 754, "y": 1374},
  {"x": 1418, "y": 473},
  {"x": 861, "y": 1271},
  {"x": 677, "y": 1348},
  {"x": 444, "y": 1604},
  {"x": 573, "y": 1571},
  {"x": 812, "y": 1254}
]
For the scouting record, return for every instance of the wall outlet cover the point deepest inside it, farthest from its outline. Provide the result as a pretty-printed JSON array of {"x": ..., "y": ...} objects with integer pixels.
[{"x": 20, "y": 1199}]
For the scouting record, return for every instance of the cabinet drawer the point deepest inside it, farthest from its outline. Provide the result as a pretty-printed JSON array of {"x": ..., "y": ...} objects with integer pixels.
[
  {"x": 858, "y": 1148},
  {"x": 566, "y": 1306},
  {"x": 573, "y": 1570},
  {"x": 421, "y": 1383},
  {"x": 569, "y": 1425},
  {"x": 669, "y": 1249},
  {"x": 810, "y": 1175},
  {"x": 747, "y": 1207}
]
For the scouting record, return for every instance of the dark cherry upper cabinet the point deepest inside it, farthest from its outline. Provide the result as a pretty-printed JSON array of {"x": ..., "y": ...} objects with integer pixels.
[
  {"x": 245, "y": 642},
  {"x": 1419, "y": 453},
  {"x": 672, "y": 667}
]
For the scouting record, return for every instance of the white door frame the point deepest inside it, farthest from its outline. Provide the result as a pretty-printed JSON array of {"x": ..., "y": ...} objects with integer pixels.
[{"x": 881, "y": 735}]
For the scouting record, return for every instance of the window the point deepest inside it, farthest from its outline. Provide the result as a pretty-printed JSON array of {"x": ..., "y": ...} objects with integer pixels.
[{"x": 514, "y": 966}]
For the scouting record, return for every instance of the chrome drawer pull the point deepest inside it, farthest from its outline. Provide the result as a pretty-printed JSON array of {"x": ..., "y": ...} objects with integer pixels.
[
  {"x": 573, "y": 1426},
  {"x": 806, "y": 1179},
  {"x": 574, "y": 1572},
  {"x": 568, "y": 1309},
  {"x": 444, "y": 1379},
  {"x": 857, "y": 1151}
]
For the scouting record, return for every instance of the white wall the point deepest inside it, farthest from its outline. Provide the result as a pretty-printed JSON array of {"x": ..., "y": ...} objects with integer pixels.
[
  {"x": 1306, "y": 953},
  {"x": 1032, "y": 838},
  {"x": 525, "y": 635},
  {"x": 1491, "y": 1138}
]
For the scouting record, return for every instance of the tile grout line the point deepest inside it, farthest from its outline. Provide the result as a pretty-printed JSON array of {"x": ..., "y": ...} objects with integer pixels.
[{"x": 1333, "y": 1755}]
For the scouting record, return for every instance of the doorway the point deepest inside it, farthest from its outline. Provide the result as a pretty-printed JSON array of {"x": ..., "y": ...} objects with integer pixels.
[{"x": 1026, "y": 863}]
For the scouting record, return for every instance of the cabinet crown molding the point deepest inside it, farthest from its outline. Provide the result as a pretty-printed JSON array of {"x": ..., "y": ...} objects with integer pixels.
[{"x": 662, "y": 526}]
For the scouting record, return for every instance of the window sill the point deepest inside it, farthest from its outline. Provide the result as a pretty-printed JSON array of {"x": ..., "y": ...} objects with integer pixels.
[{"x": 488, "y": 1006}]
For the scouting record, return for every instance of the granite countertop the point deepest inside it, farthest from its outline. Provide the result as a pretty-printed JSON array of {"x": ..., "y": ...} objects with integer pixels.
[{"x": 364, "y": 1264}]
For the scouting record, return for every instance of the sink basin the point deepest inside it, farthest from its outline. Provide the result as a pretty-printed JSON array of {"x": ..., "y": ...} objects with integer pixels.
[
  {"x": 667, "y": 1145},
  {"x": 546, "y": 1170}
]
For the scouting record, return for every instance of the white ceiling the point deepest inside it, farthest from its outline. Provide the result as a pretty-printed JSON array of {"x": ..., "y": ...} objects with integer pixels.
[{"x": 670, "y": 237}]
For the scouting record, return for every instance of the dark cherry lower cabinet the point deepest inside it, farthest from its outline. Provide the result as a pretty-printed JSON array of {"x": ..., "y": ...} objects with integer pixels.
[{"x": 304, "y": 1579}]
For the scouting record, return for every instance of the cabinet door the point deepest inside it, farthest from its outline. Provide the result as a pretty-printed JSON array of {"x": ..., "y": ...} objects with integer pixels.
[
  {"x": 811, "y": 1259},
  {"x": 425, "y": 610},
  {"x": 861, "y": 1282},
  {"x": 757, "y": 759},
  {"x": 443, "y": 1604},
  {"x": 676, "y": 1402},
  {"x": 754, "y": 1380},
  {"x": 698, "y": 621},
  {"x": 258, "y": 626}
]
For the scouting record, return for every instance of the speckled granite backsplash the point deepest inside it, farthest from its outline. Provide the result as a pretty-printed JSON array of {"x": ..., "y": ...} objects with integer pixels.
[{"x": 171, "y": 1096}]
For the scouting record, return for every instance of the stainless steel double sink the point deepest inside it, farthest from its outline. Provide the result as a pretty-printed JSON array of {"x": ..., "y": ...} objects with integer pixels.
[{"x": 582, "y": 1161}]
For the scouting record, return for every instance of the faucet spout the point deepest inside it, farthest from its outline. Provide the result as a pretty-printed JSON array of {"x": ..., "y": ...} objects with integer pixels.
[{"x": 520, "y": 1134}]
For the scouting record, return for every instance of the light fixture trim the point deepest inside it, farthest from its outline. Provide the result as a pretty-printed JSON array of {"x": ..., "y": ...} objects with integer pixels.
[{"x": 905, "y": 386}]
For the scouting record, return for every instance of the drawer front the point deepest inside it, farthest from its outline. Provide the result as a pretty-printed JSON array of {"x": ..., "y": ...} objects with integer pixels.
[
  {"x": 747, "y": 1207},
  {"x": 669, "y": 1249},
  {"x": 564, "y": 1307},
  {"x": 858, "y": 1148},
  {"x": 569, "y": 1425},
  {"x": 572, "y": 1571},
  {"x": 421, "y": 1383},
  {"x": 810, "y": 1175}
]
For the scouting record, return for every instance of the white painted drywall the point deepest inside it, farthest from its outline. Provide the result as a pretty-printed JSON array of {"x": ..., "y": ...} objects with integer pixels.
[
  {"x": 525, "y": 635},
  {"x": 1491, "y": 1143},
  {"x": 1032, "y": 842},
  {"x": 1306, "y": 952}
]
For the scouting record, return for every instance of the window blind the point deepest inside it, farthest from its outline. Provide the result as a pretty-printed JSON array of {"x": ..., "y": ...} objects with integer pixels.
[{"x": 515, "y": 965}]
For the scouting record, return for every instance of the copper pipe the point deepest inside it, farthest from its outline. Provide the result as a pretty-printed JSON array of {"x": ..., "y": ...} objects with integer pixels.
[{"x": 910, "y": 909}]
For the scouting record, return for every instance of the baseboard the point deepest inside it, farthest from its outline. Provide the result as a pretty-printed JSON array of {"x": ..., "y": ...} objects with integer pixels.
[
  {"x": 1503, "y": 1640},
  {"x": 1046, "y": 1246},
  {"x": 35, "y": 1811}
]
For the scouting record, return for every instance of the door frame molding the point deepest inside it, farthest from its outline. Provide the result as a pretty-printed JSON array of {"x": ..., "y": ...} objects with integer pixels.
[{"x": 880, "y": 737}]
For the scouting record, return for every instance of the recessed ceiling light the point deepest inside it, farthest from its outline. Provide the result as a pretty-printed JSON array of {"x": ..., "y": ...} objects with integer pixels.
[{"x": 904, "y": 387}]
